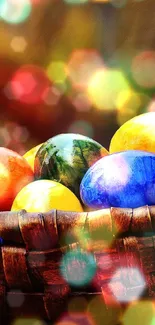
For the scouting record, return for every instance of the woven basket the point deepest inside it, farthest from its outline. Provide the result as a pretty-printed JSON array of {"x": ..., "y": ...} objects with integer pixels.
[{"x": 120, "y": 241}]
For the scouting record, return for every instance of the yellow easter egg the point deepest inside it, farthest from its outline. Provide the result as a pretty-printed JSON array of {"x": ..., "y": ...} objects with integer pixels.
[
  {"x": 44, "y": 195},
  {"x": 30, "y": 155},
  {"x": 137, "y": 133}
]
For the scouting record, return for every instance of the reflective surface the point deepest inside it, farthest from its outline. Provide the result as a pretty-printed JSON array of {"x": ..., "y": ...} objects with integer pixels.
[
  {"x": 66, "y": 158},
  {"x": 124, "y": 179}
]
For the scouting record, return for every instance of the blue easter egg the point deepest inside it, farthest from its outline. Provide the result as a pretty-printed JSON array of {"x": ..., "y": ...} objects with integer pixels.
[{"x": 123, "y": 179}]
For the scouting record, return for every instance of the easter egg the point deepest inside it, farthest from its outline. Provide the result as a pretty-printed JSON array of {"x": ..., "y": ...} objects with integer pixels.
[
  {"x": 124, "y": 179},
  {"x": 45, "y": 195},
  {"x": 15, "y": 173},
  {"x": 137, "y": 133},
  {"x": 30, "y": 155},
  {"x": 65, "y": 158}
]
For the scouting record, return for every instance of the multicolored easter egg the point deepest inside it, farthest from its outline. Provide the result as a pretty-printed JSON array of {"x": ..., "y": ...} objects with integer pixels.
[
  {"x": 125, "y": 179},
  {"x": 135, "y": 134},
  {"x": 65, "y": 158},
  {"x": 15, "y": 173}
]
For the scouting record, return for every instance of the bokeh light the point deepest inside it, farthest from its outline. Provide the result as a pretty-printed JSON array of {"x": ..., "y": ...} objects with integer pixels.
[
  {"x": 151, "y": 106},
  {"x": 98, "y": 1},
  {"x": 81, "y": 236},
  {"x": 51, "y": 96},
  {"x": 37, "y": 2},
  {"x": 28, "y": 321},
  {"x": 81, "y": 102},
  {"x": 66, "y": 322},
  {"x": 76, "y": 319},
  {"x": 14, "y": 136},
  {"x": 128, "y": 104},
  {"x": 77, "y": 304},
  {"x": 28, "y": 84},
  {"x": 140, "y": 312},
  {"x": 143, "y": 66},
  {"x": 118, "y": 3},
  {"x": 82, "y": 65},
  {"x": 78, "y": 268},
  {"x": 15, "y": 11},
  {"x": 5, "y": 137},
  {"x": 128, "y": 277},
  {"x": 82, "y": 127},
  {"x": 16, "y": 300},
  {"x": 18, "y": 44},
  {"x": 105, "y": 263},
  {"x": 76, "y": 2},
  {"x": 104, "y": 88},
  {"x": 101, "y": 314},
  {"x": 56, "y": 72},
  {"x": 20, "y": 133}
]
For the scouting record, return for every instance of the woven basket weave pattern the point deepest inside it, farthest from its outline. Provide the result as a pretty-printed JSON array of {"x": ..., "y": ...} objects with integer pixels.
[{"x": 35, "y": 244}]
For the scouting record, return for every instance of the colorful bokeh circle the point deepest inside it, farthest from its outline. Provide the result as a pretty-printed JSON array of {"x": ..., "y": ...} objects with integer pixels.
[
  {"x": 15, "y": 11},
  {"x": 29, "y": 84},
  {"x": 78, "y": 268}
]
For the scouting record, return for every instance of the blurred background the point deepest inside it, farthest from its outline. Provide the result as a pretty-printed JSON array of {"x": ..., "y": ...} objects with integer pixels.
[{"x": 73, "y": 66}]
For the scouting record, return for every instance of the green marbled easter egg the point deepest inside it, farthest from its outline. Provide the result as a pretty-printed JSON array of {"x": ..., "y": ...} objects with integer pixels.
[{"x": 65, "y": 158}]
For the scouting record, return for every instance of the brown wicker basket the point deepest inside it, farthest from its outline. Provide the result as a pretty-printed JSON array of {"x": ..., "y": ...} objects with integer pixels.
[{"x": 120, "y": 241}]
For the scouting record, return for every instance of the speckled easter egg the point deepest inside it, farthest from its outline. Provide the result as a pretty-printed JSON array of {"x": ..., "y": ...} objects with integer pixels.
[
  {"x": 124, "y": 179},
  {"x": 65, "y": 158}
]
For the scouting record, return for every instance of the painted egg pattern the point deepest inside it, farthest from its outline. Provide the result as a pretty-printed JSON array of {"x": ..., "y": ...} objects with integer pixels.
[
  {"x": 65, "y": 158},
  {"x": 124, "y": 179}
]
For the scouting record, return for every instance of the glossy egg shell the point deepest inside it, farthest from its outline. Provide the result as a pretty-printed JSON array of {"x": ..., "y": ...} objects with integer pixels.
[
  {"x": 65, "y": 158},
  {"x": 137, "y": 133},
  {"x": 124, "y": 179}
]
